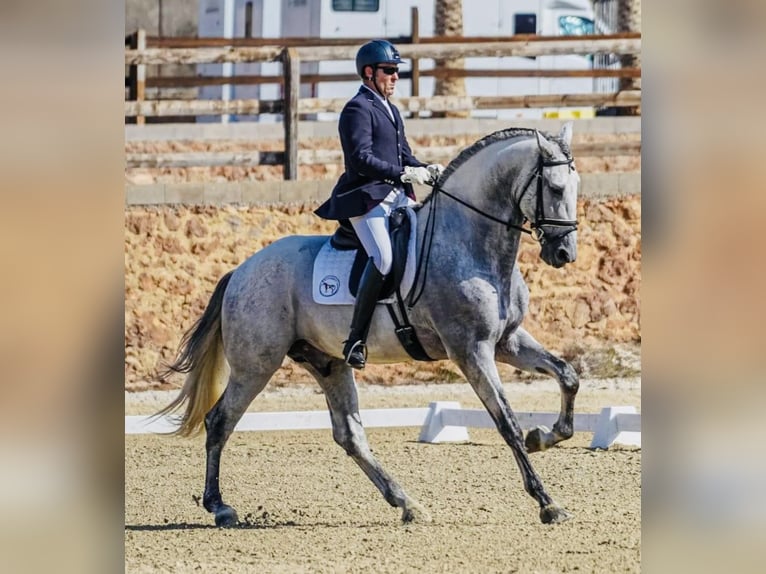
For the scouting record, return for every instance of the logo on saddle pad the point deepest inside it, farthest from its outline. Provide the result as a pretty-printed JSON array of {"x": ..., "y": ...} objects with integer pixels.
[{"x": 329, "y": 285}]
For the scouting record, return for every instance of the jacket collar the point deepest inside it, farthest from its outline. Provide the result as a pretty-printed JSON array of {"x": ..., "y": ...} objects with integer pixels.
[{"x": 377, "y": 102}]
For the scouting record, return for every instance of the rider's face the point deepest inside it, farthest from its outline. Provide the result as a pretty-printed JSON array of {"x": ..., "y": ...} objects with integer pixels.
[{"x": 386, "y": 76}]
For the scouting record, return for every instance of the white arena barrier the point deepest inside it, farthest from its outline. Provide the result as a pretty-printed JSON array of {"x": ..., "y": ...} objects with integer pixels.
[{"x": 442, "y": 421}]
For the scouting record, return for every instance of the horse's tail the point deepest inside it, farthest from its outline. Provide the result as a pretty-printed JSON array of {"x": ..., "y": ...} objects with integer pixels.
[{"x": 201, "y": 357}]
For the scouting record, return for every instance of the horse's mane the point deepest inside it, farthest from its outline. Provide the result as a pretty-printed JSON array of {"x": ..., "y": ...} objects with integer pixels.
[{"x": 490, "y": 139}]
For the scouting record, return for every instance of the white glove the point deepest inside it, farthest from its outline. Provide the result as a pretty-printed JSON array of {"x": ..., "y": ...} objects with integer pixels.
[
  {"x": 435, "y": 169},
  {"x": 415, "y": 175}
]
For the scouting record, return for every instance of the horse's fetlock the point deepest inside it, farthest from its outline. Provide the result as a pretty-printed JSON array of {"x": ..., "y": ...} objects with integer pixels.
[
  {"x": 393, "y": 498},
  {"x": 211, "y": 503},
  {"x": 563, "y": 432}
]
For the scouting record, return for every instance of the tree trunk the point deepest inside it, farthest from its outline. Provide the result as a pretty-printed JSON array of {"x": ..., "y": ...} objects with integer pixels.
[
  {"x": 449, "y": 22},
  {"x": 629, "y": 20}
]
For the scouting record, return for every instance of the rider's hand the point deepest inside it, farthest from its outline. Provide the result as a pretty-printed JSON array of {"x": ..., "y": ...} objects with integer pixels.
[
  {"x": 435, "y": 169},
  {"x": 415, "y": 175}
]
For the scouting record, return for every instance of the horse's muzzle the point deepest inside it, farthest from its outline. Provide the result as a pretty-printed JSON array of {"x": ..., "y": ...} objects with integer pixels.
[{"x": 558, "y": 251}]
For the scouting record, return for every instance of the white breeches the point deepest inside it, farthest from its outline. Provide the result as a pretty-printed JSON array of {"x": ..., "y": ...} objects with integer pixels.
[{"x": 372, "y": 229}]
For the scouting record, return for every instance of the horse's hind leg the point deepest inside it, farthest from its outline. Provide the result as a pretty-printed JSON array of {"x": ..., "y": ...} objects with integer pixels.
[
  {"x": 337, "y": 381},
  {"x": 522, "y": 351},
  {"x": 219, "y": 424}
]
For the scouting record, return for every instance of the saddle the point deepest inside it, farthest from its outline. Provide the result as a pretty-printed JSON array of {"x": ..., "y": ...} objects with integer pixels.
[
  {"x": 345, "y": 239},
  {"x": 399, "y": 228}
]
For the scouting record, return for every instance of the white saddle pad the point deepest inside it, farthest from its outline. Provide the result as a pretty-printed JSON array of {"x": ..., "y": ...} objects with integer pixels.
[{"x": 333, "y": 267}]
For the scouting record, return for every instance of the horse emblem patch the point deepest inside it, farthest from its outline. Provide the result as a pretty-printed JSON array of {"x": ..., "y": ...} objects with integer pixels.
[{"x": 329, "y": 285}]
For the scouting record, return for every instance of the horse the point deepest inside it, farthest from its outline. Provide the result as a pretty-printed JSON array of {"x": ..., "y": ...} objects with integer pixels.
[{"x": 467, "y": 306}]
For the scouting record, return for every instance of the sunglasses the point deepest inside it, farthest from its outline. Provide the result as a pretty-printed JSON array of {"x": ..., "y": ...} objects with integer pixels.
[{"x": 389, "y": 70}]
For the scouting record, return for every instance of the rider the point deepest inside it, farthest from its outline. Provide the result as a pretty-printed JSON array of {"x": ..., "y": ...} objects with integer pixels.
[{"x": 379, "y": 172}]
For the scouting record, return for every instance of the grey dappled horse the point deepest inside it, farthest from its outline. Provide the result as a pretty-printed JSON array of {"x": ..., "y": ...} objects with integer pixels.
[{"x": 469, "y": 302}]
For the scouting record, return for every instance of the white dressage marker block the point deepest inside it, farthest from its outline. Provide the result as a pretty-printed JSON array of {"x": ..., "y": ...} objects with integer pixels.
[
  {"x": 621, "y": 425},
  {"x": 435, "y": 430}
]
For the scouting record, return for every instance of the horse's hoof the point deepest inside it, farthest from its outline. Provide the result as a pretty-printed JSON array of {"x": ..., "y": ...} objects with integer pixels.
[
  {"x": 415, "y": 513},
  {"x": 226, "y": 517},
  {"x": 535, "y": 441},
  {"x": 553, "y": 514}
]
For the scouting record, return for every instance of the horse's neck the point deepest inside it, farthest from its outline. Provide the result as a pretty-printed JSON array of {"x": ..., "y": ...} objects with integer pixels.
[
  {"x": 482, "y": 180},
  {"x": 459, "y": 231}
]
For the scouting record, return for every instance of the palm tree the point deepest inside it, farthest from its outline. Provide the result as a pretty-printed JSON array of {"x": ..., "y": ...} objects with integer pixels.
[
  {"x": 629, "y": 20},
  {"x": 448, "y": 21}
]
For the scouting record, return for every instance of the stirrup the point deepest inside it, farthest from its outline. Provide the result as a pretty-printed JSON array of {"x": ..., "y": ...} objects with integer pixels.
[{"x": 357, "y": 351}]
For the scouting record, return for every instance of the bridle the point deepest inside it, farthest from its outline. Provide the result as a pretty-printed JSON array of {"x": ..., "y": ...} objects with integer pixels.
[
  {"x": 541, "y": 221},
  {"x": 536, "y": 227}
]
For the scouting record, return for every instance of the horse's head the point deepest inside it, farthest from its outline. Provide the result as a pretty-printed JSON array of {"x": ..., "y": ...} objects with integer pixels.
[
  {"x": 549, "y": 198},
  {"x": 515, "y": 175}
]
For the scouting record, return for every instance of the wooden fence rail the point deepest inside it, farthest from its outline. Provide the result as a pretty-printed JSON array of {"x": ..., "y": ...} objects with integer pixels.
[
  {"x": 325, "y": 156},
  {"x": 138, "y": 55},
  {"x": 249, "y": 80},
  {"x": 195, "y": 42},
  {"x": 159, "y": 108},
  {"x": 508, "y": 48}
]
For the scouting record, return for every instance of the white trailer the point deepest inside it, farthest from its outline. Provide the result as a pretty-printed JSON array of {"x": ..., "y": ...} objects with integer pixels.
[{"x": 389, "y": 19}]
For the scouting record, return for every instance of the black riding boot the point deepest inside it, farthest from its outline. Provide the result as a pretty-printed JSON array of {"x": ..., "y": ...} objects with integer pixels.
[{"x": 355, "y": 350}]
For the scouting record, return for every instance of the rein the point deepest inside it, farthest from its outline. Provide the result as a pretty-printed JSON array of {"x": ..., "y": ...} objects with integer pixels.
[
  {"x": 508, "y": 223},
  {"x": 536, "y": 227}
]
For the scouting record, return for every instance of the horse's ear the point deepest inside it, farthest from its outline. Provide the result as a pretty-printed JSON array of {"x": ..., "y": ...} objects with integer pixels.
[
  {"x": 544, "y": 145},
  {"x": 566, "y": 133}
]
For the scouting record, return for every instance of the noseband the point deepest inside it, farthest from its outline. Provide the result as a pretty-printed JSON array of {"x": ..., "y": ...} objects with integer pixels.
[{"x": 541, "y": 221}]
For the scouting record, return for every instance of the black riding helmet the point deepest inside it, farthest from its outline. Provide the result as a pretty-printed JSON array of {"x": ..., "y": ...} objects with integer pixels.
[{"x": 376, "y": 52}]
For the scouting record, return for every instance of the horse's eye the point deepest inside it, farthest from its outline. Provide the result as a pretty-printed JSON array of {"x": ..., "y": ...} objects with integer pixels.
[{"x": 558, "y": 189}]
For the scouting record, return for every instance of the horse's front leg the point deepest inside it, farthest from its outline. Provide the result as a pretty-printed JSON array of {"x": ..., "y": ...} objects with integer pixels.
[
  {"x": 478, "y": 365},
  {"x": 523, "y": 352}
]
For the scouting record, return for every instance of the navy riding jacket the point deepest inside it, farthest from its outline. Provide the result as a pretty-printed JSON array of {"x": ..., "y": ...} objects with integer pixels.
[{"x": 375, "y": 151}]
